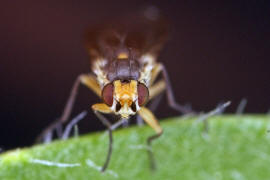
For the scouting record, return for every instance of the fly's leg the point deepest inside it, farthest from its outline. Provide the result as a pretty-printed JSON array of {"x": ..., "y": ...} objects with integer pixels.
[
  {"x": 86, "y": 79},
  {"x": 98, "y": 109},
  {"x": 153, "y": 106},
  {"x": 157, "y": 87},
  {"x": 73, "y": 123},
  {"x": 90, "y": 81},
  {"x": 154, "y": 74},
  {"x": 66, "y": 113},
  {"x": 151, "y": 120},
  {"x": 155, "y": 92},
  {"x": 170, "y": 96}
]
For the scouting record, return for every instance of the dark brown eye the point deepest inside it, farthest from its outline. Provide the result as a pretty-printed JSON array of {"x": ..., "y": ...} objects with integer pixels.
[
  {"x": 143, "y": 94},
  {"x": 107, "y": 94}
]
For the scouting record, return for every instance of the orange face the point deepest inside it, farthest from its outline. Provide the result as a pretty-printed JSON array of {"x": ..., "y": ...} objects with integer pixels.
[{"x": 125, "y": 97}]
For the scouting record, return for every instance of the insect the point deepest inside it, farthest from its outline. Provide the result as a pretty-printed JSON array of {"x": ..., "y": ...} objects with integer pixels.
[{"x": 125, "y": 72}]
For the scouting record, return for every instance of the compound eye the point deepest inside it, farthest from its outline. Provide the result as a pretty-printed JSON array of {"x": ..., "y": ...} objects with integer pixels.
[
  {"x": 143, "y": 94},
  {"x": 107, "y": 94}
]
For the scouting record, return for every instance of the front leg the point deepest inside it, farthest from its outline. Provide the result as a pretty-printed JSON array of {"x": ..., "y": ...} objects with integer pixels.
[
  {"x": 170, "y": 95},
  {"x": 151, "y": 120},
  {"x": 103, "y": 108},
  {"x": 152, "y": 105}
]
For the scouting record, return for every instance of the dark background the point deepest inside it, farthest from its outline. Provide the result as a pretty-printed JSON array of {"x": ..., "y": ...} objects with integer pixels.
[{"x": 217, "y": 52}]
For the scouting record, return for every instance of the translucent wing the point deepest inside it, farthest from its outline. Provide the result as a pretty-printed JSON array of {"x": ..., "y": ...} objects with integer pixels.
[{"x": 136, "y": 34}]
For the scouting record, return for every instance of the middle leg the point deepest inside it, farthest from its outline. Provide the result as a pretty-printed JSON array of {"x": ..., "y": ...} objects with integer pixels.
[{"x": 163, "y": 85}]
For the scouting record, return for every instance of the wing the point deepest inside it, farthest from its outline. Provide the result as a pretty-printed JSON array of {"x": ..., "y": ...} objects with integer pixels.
[{"x": 142, "y": 32}]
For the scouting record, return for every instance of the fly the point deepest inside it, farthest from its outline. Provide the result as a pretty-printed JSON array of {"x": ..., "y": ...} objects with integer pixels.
[{"x": 125, "y": 73}]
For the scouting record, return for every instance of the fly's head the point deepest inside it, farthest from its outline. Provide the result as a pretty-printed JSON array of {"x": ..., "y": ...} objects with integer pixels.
[{"x": 125, "y": 97}]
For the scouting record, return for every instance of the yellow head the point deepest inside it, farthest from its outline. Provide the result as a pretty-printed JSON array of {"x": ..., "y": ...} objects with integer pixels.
[{"x": 125, "y": 97}]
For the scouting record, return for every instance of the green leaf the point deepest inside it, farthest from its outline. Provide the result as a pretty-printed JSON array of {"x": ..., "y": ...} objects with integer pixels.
[{"x": 236, "y": 147}]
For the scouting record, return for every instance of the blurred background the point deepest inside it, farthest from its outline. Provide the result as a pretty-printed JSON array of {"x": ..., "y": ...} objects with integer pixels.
[{"x": 217, "y": 52}]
